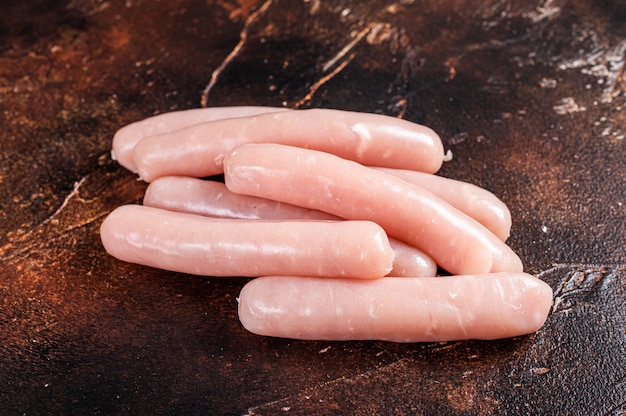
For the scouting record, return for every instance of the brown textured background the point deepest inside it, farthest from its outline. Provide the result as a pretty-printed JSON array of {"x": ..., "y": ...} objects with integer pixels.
[{"x": 529, "y": 96}]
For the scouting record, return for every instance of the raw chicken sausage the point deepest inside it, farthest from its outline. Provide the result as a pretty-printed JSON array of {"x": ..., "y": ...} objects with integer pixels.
[
  {"x": 197, "y": 196},
  {"x": 370, "y": 139},
  {"x": 213, "y": 199},
  {"x": 200, "y": 245},
  {"x": 127, "y": 137},
  {"x": 411, "y": 261},
  {"x": 491, "y": 306},
  {"x": 322, "y": 181},
  {"x": 475, "y": 201}
]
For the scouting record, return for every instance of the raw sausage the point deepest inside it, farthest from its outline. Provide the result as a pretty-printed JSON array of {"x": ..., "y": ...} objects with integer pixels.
[
  {"x": 475, "y": 201},
  {"x": 410, "y": 261},
  {"x": 325, "y": 182},
  {"x": 498, "y": 305},
  {"x": 200, "y": 245},
  {"x": 210, "y": 198},
  {"x": 127, "y": 137},
  {"x": 370, "y": 139},
  {"x": 213, "y": 199}
]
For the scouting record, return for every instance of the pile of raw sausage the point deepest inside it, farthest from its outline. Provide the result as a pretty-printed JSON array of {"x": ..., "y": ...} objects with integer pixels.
[{"x": 337, "y": 214}]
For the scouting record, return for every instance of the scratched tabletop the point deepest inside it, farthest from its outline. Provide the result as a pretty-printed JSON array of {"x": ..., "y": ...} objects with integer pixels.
[{"x": 530, "y": 98}]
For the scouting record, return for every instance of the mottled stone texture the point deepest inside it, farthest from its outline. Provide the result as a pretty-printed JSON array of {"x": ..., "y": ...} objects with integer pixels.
[{"x": 529, "y": 97}]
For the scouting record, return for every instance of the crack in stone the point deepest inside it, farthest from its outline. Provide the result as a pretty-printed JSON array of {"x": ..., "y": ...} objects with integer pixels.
[
  {"x": 313, "y": 89},
  {"x": 339, "y": 62},
  {"x": 243, "y": 38},
  {"x": 75, "y": 191},
  {"x": 347, "y": 48},
  {"x": 37, "y": 243},
  {"x": 580, "y": 280},
  {"x": 37, "y": 228},
  {"x": 32, "y": 239}
]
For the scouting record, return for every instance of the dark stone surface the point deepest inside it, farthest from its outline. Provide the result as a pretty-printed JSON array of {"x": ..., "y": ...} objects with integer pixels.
[{"x": 530, "y": 97}]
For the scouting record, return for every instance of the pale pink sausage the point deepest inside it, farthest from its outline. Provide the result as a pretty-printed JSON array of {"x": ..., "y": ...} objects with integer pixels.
[
  {"x": 498, "y": 305},
  {"x": 128, "y": 136},
  {"x": 475, "y": 201},
  {"x": 370, "y": 139},
  {"x": 200, "y": 245},
  {"x": 197, "y": 196},
  {"x": 322, "y": 181},
  {"x": 410, "y": 261},
  {"x": 213, "y": 199}
]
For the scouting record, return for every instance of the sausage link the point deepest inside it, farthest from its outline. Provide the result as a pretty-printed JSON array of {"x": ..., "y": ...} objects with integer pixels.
[
  {"x": 200, "y": 245},
  {"x": 473, "y": 200},
  {"x": 127, "y": 137},
  {"x": 498, "y": 305},
  {"x": 370, "y": 139},
  {"x": 325, "y": 182},
  {"x": 213, "y": 199}
]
